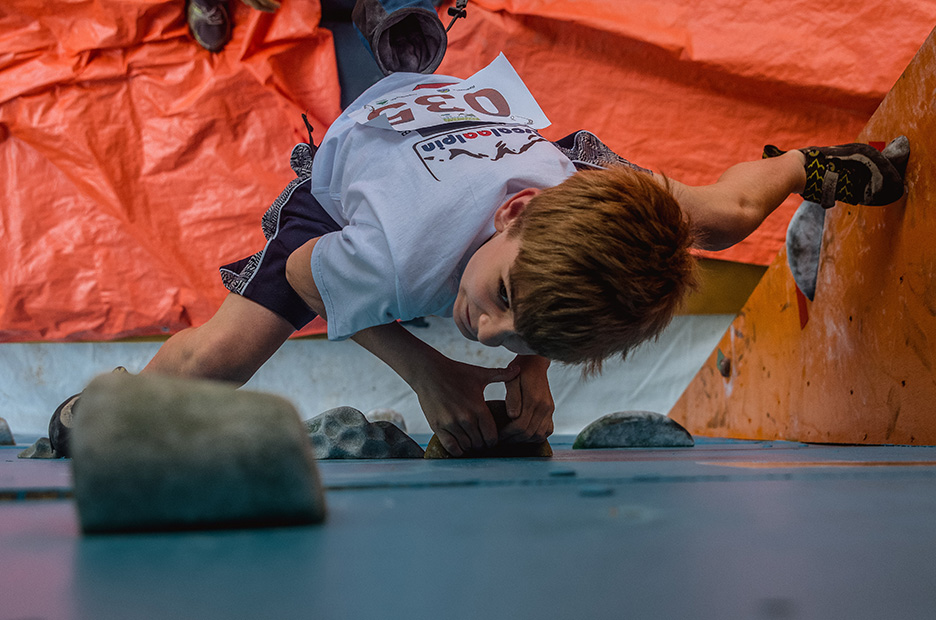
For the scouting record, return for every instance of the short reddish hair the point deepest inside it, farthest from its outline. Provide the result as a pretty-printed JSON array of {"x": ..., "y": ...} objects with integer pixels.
[{"x": 604, "y": 265}]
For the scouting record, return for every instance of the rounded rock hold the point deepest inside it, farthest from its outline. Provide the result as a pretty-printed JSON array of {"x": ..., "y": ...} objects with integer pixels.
[
  {"x": 498, "y": 409},
  {"x": 723, "y": 363},
  {"x": 154, "y": 453},
  {"x": 384, "y": 414},
  {"x": 6, "y": 435},
  {"x": 633, "y": 429},
  {"x": 345, "y": 433},
  {"x": 41, "y": 449},
  {"x": 804, "y": 246},
  {"x": 401, "y": 445}
]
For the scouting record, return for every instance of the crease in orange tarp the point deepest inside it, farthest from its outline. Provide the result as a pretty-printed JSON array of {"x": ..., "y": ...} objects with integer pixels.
[
  {"x": 135, "y": 163},
  {"x": 853, "y": 51}
]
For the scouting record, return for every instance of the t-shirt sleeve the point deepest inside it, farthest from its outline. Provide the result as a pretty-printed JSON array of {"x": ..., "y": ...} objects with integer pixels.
[{"x": 355, "y": 276}]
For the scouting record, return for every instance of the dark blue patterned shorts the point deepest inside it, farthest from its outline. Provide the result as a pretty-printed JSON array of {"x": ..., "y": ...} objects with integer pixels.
[{"x": 294, "y": 218}]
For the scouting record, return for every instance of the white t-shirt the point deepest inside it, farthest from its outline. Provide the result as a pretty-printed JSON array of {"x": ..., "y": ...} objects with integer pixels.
[{"x": 415, "y": 205}]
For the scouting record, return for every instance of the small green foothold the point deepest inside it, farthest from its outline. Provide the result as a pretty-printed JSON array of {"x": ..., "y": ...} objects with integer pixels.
[{"x": 723, "y": 364}]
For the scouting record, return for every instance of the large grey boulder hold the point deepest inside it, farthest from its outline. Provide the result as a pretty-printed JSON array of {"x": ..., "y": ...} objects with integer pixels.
[
  {"x": 345, "y": 433},
  {"x": 633, "y": 429},
  {"x": 804, "y": 246},
  {"x": 158, "y": 453}
]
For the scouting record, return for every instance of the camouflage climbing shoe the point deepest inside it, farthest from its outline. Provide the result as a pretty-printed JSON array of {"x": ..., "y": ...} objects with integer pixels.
[
  {"x": 856, "y": 174},
  {"x": 63, "y": 420},
  {"x": 209, "y": 23}
]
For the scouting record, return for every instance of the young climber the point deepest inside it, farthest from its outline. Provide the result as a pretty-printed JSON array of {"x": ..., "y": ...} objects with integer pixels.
[{"x": 435, "y": 196}]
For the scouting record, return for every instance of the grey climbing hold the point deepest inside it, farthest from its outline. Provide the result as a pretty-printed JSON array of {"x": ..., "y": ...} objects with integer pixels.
[
  {"x": 159, "y": 453},
  {"x": 6, "y": 435},
  {"x": 596, "y": 490},
  {"x": 41, "y": 449},
  {"x": 723, "y": 363},
  {"x": 897, "y": 152},
  {"x": 344, "y": 433},
  {"x": 804, "y": 245},
  {"x": 387, "y": 415},
  {"x": 633, "y": 429},
  {"x": 562, "y": 473}
]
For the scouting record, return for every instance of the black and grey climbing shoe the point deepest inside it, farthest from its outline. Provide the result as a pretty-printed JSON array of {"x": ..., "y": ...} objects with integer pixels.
[
  {"x": 856, "y": 174},
  {"x": 61, "y": 424},
  {"x": 63, "y": 420}
]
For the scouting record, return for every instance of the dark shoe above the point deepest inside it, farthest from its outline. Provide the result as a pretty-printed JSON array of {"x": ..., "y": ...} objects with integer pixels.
[
  {"x": 61, "y": 424},
  {"x": 63, "y": 420},
  {"x": 856, "y": 174},
  {"x": 209, "y": 23}
]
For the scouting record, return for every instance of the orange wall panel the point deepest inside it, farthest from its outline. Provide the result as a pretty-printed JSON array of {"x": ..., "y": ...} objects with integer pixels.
[{"x": 857, "y": 364}]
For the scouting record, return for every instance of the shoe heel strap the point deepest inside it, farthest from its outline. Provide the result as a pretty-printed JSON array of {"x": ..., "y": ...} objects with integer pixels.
[{"x": 829, "y": 183}]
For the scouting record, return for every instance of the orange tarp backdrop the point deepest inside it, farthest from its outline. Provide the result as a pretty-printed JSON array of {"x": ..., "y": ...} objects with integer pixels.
[{"x": 134, "y": 162}]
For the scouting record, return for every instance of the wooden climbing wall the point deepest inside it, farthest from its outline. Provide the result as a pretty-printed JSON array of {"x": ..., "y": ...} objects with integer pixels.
[{"x": 858, "y": 364}]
